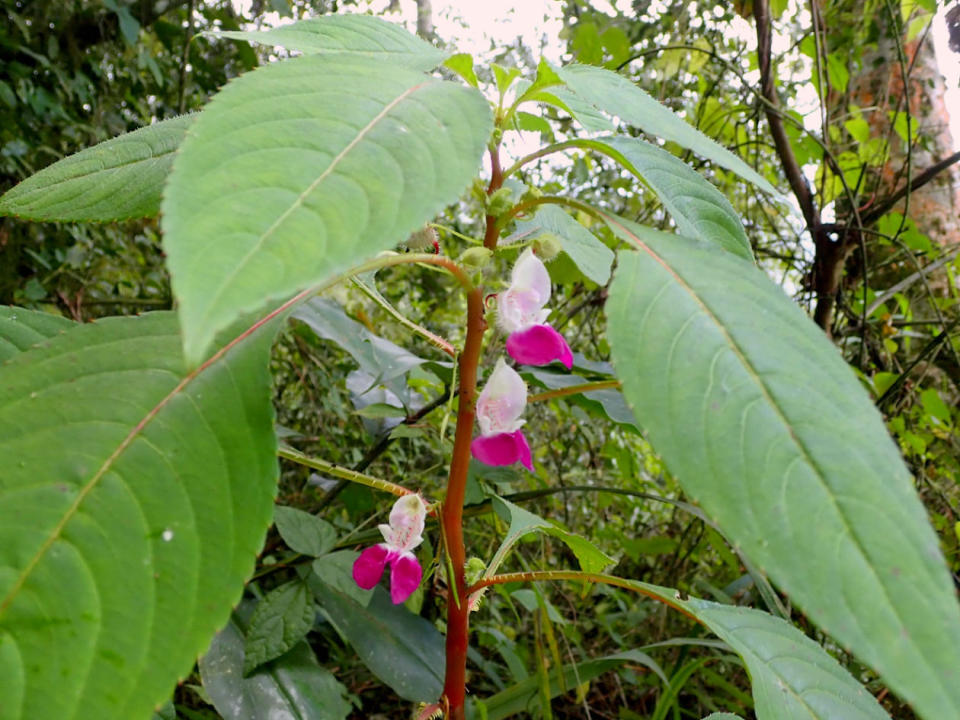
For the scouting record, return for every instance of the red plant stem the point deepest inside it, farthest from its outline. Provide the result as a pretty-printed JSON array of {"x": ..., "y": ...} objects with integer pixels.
[
  {"x": 454, "y": 689},
  {"x": 458, "y": 614}
]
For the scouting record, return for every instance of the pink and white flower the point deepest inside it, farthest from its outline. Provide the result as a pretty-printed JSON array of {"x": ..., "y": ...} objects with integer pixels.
[
  {"x": 521, "y": 313},
  {"x": 499, "y": 407},
  {"x": 401, "y": 536}
]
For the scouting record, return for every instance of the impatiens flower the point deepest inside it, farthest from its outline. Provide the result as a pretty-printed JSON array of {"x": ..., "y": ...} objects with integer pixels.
[
  {"x": 402, "y": 535},
  {"x": 520, "y": 313},
  {"x": 499, "y": 407}
]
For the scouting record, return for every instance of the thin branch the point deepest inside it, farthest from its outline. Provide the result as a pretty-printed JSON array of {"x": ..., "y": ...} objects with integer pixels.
[
  {"x": 918, "y": 182},
  {"x": 573, "y": 390},
  {"x": 798, "y": 183},
  {"x": 339, "y": 471}
]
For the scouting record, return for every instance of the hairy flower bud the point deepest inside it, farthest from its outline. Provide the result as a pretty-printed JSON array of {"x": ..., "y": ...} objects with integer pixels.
[
  {"x": 547, "y": 246},
  {"x": 475, "y": 257},
  {"x": 423, "y": 240}
]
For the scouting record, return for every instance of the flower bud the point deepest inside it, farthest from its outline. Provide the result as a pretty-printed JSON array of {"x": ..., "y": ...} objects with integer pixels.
[
  {"x": 423, "y": 240},
  {"x": 500, "y": 201},
  {"x": 473, "y": 570},
  {"x": 475, "y": 257},
  {"x": 547, "y": 246}
]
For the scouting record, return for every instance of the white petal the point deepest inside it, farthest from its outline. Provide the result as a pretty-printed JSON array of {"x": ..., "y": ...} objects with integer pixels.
[
  {"x": 502, "y": 401},
  {"x": 529, "y": 273},
  {"x": 407, "y": 519}
]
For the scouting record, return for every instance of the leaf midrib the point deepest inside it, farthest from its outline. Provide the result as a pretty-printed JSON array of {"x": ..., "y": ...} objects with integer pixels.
[{"x": 228, "y": 280}]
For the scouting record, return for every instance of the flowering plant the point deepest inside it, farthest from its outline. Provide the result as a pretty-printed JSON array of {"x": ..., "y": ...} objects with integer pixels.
[{"x": 139, "y": 485}]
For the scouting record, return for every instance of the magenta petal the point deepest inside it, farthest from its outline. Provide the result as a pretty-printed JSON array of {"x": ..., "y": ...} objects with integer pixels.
[
  {"x": 405, "y": 575},
  {"x": 368, "y": 568},
  {"x": 539, "y": 345},
  {"x": 523, "y": 449},
  {"x": 502, "y": 449}
]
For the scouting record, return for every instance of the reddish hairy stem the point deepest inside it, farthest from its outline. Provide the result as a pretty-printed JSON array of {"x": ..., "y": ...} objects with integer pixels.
[
  {"x": 454, "y": 689},
  {"x": 458, "y": 614},
  {"x": 496, "y": 181}
]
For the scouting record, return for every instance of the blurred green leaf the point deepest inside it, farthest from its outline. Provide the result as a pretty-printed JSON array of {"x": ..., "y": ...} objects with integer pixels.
[
  {"x": 303, "y": 532},
  {"x": 118, "y": 179}
]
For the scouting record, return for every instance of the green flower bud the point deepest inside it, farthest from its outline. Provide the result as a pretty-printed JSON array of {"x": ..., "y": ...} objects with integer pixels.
[
  {"x": 547, "y": 246},
  {"x": 500, "y": 201},
  {"x": 475, "y": 257},
  {"x": 473, "y": 569}
]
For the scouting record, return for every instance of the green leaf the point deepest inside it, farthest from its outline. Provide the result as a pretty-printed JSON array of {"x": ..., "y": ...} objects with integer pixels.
[
  {"x": 504, "y": 77},
  {"x": 300, "y": 169},
  {"x": 118, "y": 179},
  {"x": 303, "y": 532},
  {"x": 402, "y": 649},
  {"x": 934, "y": 405},
  {"x": 379, "y": 358},
  {"x": 462, "y": 65},
  {"x": 293, "y": 686},
  {"x": 767, "y": 428},
  {"x": 380, "y": 411},
  {"x": 523, "y": 522},
  {"x": 697, "y": 207},
  {"x": 722, "y": 716},
  {"x": 354, "y": 34},
  {"x": 791, "y": 676},
  {"x": 21, "y": 329},
  {"x": 580, "y": 110},
  {"x": 616, "y": 94},
  {"x": 584, "y": 248},
  {"x": 131, "y": 516},
  {"x": 281, "y": 620},
  {"x": 524, "y": 697}
]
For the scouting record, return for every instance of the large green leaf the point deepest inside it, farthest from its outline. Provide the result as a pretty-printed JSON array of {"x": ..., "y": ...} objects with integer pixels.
[
  {"x": 361, "y": 35},
  {"x": 302, "y": 168},
  {"x": 21, "y": 329},
  {"x": 292, "y": 687},
  {"x": 767, "y": 428},
  {"x": 133, "y": 500},
  {"x": 696, "y": 206},
  {"x": 617, "y": 95},
  {"x": 116, "y": 180}
]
